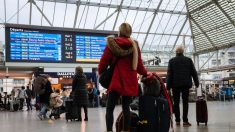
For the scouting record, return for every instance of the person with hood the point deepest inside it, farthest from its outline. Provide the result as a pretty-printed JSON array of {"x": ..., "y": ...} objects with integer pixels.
[
  {"x": 124, "y": 52},
  {"x": 44, "y": 99},
  {"x": 80, "y": 93},
  {"x": 180, "y": 72}
]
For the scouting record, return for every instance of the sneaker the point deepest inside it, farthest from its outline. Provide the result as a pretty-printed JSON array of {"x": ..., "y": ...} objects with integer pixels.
[
  {"x": 187, "y": 124},
  {"x": 177, "y": 123},
  {"x": 40, "y": 116}
]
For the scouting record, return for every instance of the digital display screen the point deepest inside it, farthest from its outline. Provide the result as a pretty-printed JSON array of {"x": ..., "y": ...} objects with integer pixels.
[
  {"x": 89, "y": 48},
  {"x": 35, "y": 46},
  {"x": 52, "y": 45}
]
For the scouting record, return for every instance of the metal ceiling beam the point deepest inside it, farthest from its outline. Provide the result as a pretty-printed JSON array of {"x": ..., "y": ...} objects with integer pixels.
[
  {"x": 143, "y": 20},
  {"x": 65, "y": 12},
  {"x": 53, "y": 18},
  {"x": 76, "y": 14},
  {"x": 222, "y": 10},
  {"x": 190, "y": 24},
  {"x": 106, "y": 19},
  {"x": 5, "y": 12},
  {"x": 214, "y": 28},
  {"x": 167, "y": 34},
  {"x": 206, "y": 61},
  {"x": 119, "y": 10},
  {"x": 43, "y": 3},
  {"x": 96, "y": 16},
  {"x": 41, "y": 12},
  {"x": 151, "y": 24},
  {"x": 214, "y": 49},
  {"x": 30, "y": 12},
  {"x": 204, "y": 33},
  {"x": 18, "y": 7},
  {"x": 181, "y": 29},
  {"x": 123, "y": 7},
  {"x": 162, "y": 52},
  {"x": 201, "y": 7}
]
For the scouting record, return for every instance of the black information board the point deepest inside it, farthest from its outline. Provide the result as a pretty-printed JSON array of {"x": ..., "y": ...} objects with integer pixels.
[{"x": 38, "y": 44}]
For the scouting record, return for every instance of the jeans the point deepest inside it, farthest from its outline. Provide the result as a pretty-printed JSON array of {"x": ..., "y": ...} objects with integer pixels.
[
  {"x": 43, "y": 110},
  {"x": 29, "y": 105},
  {"x": 112, "y": 100},
  {"x": 80, "y": 112},
  {"x": 21, "y": 103},
  {"x": 176, "y": 107}
]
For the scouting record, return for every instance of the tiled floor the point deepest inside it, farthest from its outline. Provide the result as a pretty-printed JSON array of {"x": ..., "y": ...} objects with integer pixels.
[{"x": 221, "y": 119}]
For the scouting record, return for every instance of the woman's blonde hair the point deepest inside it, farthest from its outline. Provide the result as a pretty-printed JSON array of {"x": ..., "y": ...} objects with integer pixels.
[
  {"x": 78, "y": 69},
  {"x": 125, "y": 30}
]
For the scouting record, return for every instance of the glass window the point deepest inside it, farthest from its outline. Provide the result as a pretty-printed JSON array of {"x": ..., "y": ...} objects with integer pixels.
[
  {"x": 231, "y": 61},
  {"x": 231, "y": 54}
]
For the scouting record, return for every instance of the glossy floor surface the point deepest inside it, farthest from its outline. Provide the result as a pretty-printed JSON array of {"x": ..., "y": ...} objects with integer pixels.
[{"x": 221, "y": 119}]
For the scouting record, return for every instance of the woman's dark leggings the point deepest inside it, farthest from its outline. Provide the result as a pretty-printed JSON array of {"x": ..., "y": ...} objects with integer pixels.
[{"x": 112, "y": 100}]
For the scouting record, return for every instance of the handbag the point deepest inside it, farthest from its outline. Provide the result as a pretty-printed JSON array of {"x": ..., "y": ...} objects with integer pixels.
[{"x": 106, "y": 76}]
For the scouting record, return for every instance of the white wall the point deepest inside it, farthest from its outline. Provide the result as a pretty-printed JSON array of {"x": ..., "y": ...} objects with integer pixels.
[{"x": 47, "y": 69}]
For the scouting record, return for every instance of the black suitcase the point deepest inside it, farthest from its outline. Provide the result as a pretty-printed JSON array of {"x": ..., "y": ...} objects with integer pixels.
[
  {"x": 133, "y": 125},
  {"x": 154, "y": 114},
  {"x": 147, "y": 114},
  {"x": 71, "y": 111},
  {"x": 16, "y": 107},
  {"x": 201, "y": 111}
]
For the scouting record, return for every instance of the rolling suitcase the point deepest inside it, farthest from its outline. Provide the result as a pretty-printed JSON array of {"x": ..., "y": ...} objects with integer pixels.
[
  {"x": 134, "y": 122},
  {"x": 71, "y": 111},
  {"x": 201, "y": 107},
  {"x": 201, "y": 111},
  {"x": 154, "y": 114}
]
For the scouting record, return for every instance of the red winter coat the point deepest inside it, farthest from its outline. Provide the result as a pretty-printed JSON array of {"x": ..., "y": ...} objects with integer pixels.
[{"x": 124, "y": 80}]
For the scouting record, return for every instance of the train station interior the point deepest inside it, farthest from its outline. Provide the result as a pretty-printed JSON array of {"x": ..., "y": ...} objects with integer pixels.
[{"x": 52, "y": 37}]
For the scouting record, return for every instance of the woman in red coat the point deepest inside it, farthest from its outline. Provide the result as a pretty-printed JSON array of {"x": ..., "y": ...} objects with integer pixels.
[{"x": 125, "y": 54}]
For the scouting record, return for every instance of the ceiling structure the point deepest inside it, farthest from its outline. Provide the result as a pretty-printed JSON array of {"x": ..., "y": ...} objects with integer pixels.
[
  {"x": 213, "y": 24},
  {"x": 159, "y": 25}
]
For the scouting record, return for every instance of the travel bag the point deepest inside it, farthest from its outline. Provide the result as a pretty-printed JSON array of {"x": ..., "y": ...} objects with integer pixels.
[
  {"x": 134, "y": 122},
  {"x": 201, "y": 111},
  {"x": 154, "y": 114},
  {"x": 71, "y": 111}
]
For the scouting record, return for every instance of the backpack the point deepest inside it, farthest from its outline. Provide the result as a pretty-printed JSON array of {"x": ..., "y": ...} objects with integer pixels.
[{"x": 39, "y": 85}]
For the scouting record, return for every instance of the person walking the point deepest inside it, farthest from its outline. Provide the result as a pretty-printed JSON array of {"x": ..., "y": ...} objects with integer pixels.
[
  {"x": 22, "y": 95},
  {"x": 180, "y": 72},
  {"x": 44, "y": 99},
  {"x": 125, "y": 54},
  {"x": 29, "y": 94},
  {"x": 80, "y": 93}
]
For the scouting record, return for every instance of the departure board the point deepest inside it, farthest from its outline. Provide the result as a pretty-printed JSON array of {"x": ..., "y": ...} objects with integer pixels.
[
  {"x": 89, "y": 48},
  {"x": 35, "y": 46},
  {"x": 54, "y": 45}
]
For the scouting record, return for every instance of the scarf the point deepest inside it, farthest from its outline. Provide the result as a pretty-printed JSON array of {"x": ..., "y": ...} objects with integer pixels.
[{"x": 119, "y": 52}]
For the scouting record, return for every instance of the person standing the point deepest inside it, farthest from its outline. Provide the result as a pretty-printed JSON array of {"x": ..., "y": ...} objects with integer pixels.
[
  {"x": 180, "y": 72},
  {"x": 22, "y": 95},
  {"x": 44, "y": 99},
  {"x": 125, "y": 53},
  {"x": 29, "y": 94},
  {"x": 80, "y": 93}
]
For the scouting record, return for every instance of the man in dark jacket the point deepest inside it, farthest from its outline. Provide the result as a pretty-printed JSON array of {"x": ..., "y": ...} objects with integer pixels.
[
  {"x": 180, "y": 72},
  {"x": 44, "y": 99},
  {"x": 29, "y": 94}
]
